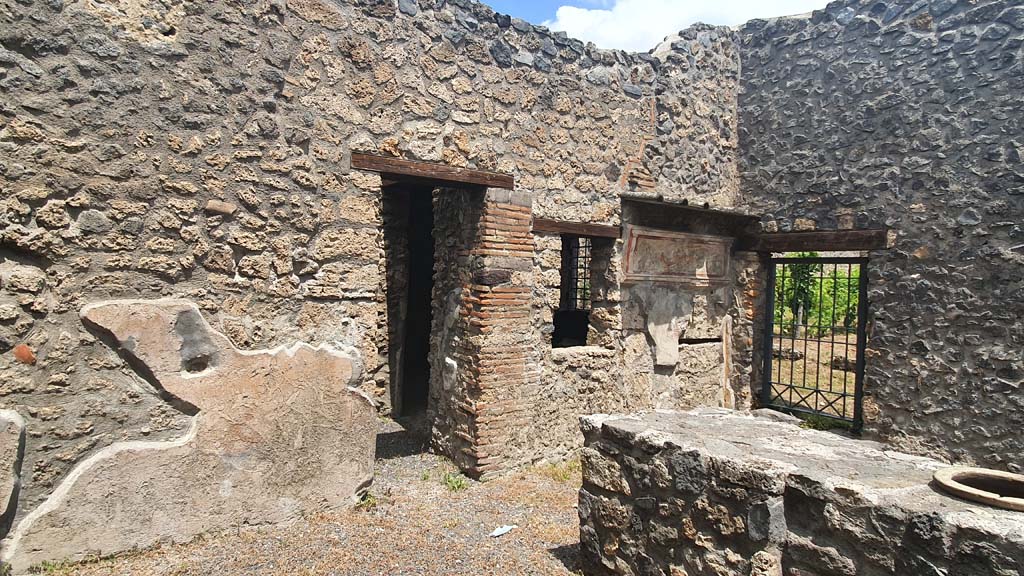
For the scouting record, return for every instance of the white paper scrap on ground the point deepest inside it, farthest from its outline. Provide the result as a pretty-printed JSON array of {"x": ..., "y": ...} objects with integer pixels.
[{"x": 502, "y": 531}]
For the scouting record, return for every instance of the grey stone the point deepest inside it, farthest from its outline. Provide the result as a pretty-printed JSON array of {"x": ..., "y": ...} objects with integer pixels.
[
  {"x": 410, "y": 7},
  {"x": 467, "y": 21},
  {"x": 941, "y": 7},
  {"x": 502, "y": 54},
  {"x": 100, "y": 45},
  {"x": 767, "y": 521},
  {"x": 455, "y": 35},
  {"x": 548, "y": 47},
  {"x": 28, "y": 66},
  {"x": 94, "y": 222},
  {"x": 521, "y": 25},
  {"x": 524, "y": 58},
  {"x": 633, "y": 90},
  {"x": 846, "y": 16},
  {"x": 969, "y": 217},
  {"x": 1014, "y": 16}
]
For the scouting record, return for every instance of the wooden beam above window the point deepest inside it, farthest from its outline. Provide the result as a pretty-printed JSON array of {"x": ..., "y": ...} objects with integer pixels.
[
  {"x": 818, "y": 241},
  {"x": 397, "y": 169},
  {"x": 576, "y": 228}
]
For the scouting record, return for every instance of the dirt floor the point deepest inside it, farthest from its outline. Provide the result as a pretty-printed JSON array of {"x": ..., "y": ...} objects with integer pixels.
[
  {"x": 422, "y": 518},
  {"x": 819, "y": 371}
]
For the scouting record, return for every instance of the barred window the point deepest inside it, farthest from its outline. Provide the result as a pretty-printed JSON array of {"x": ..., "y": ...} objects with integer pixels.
[
  {"x": 572, "y": 319},
  {"x": 575, "y": 273}
]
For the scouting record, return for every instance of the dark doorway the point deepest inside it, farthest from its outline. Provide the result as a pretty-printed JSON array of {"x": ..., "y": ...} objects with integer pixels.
[{"x": 409, "y": 252}]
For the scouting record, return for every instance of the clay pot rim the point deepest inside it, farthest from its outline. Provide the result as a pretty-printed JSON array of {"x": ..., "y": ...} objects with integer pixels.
[{"x": 946, "y": 478}]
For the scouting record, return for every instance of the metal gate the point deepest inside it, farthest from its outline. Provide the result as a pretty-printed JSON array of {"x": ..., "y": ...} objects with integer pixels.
[{"x": 815, "y": 337}]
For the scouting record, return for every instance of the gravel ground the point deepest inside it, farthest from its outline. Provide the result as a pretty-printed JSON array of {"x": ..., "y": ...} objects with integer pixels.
[{"x": 418, "y": 525}]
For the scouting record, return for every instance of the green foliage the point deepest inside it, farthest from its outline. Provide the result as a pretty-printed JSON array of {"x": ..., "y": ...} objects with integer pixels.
[
  {"x": 455, "y": 481},
  {"x": 816, "y": 422},
  {"x": 816, "y": 298},
  {"x": 367, "y": 502},
  {"x": 50, "y": 567}
]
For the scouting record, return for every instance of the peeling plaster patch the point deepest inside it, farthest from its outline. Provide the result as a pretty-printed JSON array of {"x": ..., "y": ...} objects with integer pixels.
[{"x": 278, "y": 433}]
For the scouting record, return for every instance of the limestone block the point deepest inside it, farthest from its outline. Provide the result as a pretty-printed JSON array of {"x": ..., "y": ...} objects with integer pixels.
[{"x": 274, "y": 434}]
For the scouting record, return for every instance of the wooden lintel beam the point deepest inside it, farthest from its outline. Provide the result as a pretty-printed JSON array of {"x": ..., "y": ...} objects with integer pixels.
[
  {"x": 818, "y": 240},
  {"x": 430, "y": 172},
  {"x": 576, "y": 228}
]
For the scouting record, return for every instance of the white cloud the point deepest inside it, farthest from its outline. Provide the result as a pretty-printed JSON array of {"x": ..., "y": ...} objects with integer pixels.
[{"x": 639, "y": 25}]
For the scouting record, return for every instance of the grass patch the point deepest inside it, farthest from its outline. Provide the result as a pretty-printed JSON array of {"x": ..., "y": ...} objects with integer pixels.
[
  {"x": 455, "y": 481},
  {"x": 568, "y": 470},
  {"x": 52, "y": 567},
  {"x": 815, "y": 422}
]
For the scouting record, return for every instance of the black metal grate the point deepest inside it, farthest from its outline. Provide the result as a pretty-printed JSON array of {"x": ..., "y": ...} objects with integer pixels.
[
  {"x": 575, "y": 273},
  {"x": 815, "y": 337}
]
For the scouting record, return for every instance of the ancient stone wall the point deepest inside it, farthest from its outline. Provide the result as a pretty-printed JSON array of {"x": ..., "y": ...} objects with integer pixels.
[
  {"x": 580, "y": 379},
  {"x": 453, "y": 362},
  {"x": 730, "y": 494},
  {"x": 202, "y": 150},
  {"x": 907, "y": 115},
  {"x": 616, "y": 371}
]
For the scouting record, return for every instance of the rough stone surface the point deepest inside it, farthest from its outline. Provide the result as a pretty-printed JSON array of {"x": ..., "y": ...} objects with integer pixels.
[
  {"x": 725, "y": 493},
  {"x": 120, "y": 123},
  {"x": 275, "y": 434},
  {"x": 907, "y": 115},
  {"x": 12, "y": 452},
  {"x": 616, "y": 371}
]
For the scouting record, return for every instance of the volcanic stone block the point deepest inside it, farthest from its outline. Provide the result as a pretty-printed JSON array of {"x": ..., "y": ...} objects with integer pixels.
[
  {"x": 752, "y": 496},
  {"x": 274, "y": 434}
]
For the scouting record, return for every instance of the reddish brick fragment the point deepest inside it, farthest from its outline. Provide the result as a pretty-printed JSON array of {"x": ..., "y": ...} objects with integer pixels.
[{"x": 24, "y": 354}]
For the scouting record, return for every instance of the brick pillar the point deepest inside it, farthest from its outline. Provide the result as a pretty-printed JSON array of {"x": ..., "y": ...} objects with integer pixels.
[{"x": 496, "y": 375}]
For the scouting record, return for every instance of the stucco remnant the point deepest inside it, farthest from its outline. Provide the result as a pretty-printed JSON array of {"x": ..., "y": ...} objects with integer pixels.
[
  {"x": 12, "y": 452},
  {"x": 275, "y": 433},
  {"x": 715, "y": 491}
]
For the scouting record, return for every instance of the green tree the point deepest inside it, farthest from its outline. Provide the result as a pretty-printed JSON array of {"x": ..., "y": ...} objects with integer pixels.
[
  {"x": 839, "y": 298},
  {"x": 822, "y": 298},
  {"x": 796, "y": 289}
]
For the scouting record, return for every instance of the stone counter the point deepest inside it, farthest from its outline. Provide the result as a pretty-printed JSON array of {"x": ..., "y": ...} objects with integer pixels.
[{"x": 717, "y": 492}]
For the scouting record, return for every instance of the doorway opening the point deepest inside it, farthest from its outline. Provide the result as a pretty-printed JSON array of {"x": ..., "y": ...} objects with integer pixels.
[
  {"x": 815, "y": 336},
  {"x": 408, "y": 213}
]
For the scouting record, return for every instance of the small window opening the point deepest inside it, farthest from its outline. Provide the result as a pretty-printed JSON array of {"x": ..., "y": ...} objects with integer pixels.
[{"x": 572, "y": 319}]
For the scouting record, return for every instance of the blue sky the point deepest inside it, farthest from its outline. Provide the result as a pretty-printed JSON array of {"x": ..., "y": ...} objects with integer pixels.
[
  {"x": 639, "y": 25},
  {"x": 535, "y": 11}
]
